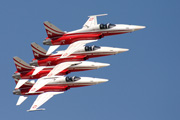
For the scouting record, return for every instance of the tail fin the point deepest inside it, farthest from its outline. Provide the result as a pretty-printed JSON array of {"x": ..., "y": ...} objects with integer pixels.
[
  {"x": 21, "y": 65},
  {"x": 38, "y": 51},
  {"x": 52, "y": 30}
]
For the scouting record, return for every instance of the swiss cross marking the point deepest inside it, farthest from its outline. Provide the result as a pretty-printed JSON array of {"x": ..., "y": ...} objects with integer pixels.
[
  {"x": 65, "y": 54},
  {"x": 18, "y": 67},
  {"x": 35, "y": 54},
  {"x": 49, "y": 33},
  {"x": 34, "y": 106},
  {"x": 33, "y": 89},
  {"x": 91, "y": 19}
]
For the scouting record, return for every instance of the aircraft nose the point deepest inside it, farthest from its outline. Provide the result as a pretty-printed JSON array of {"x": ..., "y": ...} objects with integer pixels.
[
  {"x": 137, "y": 27},
  {"x": 100, "y": 65},
  {"x": 101, "y": 80},
  {"x": 120, "y": 50}
]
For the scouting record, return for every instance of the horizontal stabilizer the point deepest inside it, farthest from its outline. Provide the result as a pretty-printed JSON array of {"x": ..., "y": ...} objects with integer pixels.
[
  {"x": 20, "y": 83},
  {"x": 21, "y": 99}
]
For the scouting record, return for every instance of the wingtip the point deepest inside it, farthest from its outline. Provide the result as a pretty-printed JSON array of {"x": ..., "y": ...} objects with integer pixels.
[
  {"x": 41, "y": 109},
  {"x": 98, "y": 15}
]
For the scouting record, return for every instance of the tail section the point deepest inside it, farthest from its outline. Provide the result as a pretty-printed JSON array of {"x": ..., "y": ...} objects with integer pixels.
[
  {"x": 52, "y": 30},
  {"x": 38, "y": 51},
  {"x": 21, "y": 65}
]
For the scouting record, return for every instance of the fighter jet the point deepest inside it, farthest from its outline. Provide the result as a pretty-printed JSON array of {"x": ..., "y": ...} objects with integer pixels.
[
  {"x": 91, "y": 30},
  {"x": 55, "y": 85},
  {"x": 80, "y": 52},
  {"x": 25, "y": 71}
]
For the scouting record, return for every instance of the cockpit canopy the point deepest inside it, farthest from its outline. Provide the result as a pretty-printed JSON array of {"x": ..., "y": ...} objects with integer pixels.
[
  {"x": 72, "y": 79},
  {"x": 91, "y": 48},
  {"x": 106, "y": 26}
]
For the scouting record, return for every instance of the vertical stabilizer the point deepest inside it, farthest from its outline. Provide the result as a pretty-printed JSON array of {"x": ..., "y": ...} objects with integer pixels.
[
  {"x": 52, "y": 30},
  {"x": 38, "y": 51},
  {"x": 21, "y": 65}
]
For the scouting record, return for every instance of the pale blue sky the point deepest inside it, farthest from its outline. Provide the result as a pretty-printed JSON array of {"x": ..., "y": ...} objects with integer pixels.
[{"x": 143, "y": 82}]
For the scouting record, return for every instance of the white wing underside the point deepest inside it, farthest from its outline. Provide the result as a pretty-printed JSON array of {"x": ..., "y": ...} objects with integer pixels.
[
  {"x": 38, "y": 69},
  {"x": 60, "y": 67},
  {"x": 39, "y": 84},
  {"x": 21, "y": 99},
  {"x": 74, "y": 47},
  {"x": 41, "y": 99}
]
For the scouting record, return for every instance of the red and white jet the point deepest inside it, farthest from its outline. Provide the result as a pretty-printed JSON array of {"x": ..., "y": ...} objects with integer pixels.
[
  {"x": 90, "y": 31},
  {"x": 76, "y": 51},
  {"x": 25, "y": 71},
  {"x": 55, "y": 85}
]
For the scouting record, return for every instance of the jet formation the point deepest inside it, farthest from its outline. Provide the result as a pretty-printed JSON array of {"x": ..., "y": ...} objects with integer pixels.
[{"x": 47, "y": 74}]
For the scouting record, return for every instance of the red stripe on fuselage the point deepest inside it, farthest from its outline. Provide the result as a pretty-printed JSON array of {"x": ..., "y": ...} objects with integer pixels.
[{"x": 100, "y": 32}]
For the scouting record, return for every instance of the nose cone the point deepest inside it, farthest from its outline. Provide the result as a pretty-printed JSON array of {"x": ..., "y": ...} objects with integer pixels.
[
  {"x": 99, "y": 80},
  {"x": 100, "y": 65},
  {"x": 120, "y": 50},
  {"x": 137, "y": 27}
]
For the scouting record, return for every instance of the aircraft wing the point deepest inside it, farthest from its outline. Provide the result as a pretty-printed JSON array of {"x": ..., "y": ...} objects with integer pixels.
[
  {"x": 60, "y": 67},
  {"x": 74, "y": 47},
  {"x": 92, "y": 20},
  {"x": 39, "y": 84},
  {"x": 41, "y": 99},
  {"x": 38, "y": 69},
  {"x": 45, "y": 80},
  {"x": 52, "y": 49}
]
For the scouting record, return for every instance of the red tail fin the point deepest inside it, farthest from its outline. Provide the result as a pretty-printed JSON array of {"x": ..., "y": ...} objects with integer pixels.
[
  {"x": 52, "y": 30},
  {"x": 21, "y": 65},
  {"x": 38, "y": 51}
]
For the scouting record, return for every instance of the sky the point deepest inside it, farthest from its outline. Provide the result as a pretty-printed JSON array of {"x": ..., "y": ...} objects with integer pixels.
[{"x": 143, "y": 82}]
